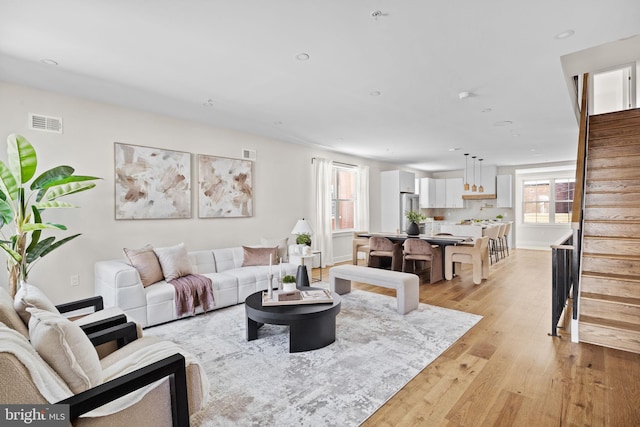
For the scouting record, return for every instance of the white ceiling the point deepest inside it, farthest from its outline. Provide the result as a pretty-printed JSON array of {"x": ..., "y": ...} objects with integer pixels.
[{"x": 172, "y": 57}]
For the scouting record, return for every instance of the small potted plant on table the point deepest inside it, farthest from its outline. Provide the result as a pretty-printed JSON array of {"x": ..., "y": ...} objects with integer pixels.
[{"x": 414, "y": 218}]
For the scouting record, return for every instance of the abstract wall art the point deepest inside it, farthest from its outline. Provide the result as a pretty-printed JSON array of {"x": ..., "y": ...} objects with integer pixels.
[
  {"x": 151, "y": 183},
  {"x": 225, "y": 187}
]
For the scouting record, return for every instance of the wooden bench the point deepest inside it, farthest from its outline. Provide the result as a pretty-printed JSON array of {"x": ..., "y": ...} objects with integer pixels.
[{"x": 406, "y": 285}]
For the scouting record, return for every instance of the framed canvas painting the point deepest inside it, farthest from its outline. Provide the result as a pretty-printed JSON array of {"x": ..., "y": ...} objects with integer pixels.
[
  {"x": 151, "y": 183},
  {"x": 225, "y": 187}
]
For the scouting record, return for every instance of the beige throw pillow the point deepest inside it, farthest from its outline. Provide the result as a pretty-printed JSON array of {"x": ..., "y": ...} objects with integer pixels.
[
  {"x": 146, "y": 262},
  {"x": 66, "y": 348},
  {"x": 174, "y": 261},
  {"x": 280, "y": 243},
  {"x": 259, "y": 256},
  {"x": 8, "y": 314},
  {"x": 31, "y": 296}
]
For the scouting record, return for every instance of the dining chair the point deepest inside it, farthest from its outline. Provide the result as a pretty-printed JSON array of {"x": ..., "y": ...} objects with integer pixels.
[
  {"x": 500, "y": 241},
  {"x": 476, "y": 254},
  {"x": 384, "y": 253},
  {"x": 417, "y": 252},
  {"x": 360, "y": 244}
]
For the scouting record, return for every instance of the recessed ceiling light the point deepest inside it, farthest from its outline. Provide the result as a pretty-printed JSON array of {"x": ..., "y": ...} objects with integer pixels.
[
  {"x": 302, "y": 56},
  {"x": 503, "y": 123},
  {"x": 514, "y": 134},
  {"x": 464, "y": 95},
  {"x": 375, "y": 93},
  {"x": 48, "y": 61},
  {"x": 208, "y": 103},
  {"x": 487, "y": 110},
  {"x": 564, "y": 35},
  {"x": 454, "y": 149}
]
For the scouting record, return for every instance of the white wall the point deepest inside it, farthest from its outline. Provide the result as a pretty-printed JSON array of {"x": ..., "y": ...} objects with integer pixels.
[{"x": 282, "y": 183}]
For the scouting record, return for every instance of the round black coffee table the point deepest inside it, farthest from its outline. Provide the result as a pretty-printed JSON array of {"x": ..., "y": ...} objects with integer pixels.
[{"x": 311, "y": 326}]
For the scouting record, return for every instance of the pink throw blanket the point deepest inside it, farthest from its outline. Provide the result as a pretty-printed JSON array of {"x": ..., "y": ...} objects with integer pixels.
[{"x": 192, "y": 290}]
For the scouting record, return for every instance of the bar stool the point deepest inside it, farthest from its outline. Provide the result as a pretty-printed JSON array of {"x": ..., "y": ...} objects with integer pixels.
[
  {"x": 492, "y": 231},
  {"x": 505, "y": 236}
]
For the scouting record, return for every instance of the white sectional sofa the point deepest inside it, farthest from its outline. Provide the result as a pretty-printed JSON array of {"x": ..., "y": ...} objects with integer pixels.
[{"x": 120, "y": 285}]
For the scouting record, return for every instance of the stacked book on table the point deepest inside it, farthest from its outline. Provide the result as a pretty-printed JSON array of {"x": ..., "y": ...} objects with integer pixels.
[{"x": 312, "y": 296}]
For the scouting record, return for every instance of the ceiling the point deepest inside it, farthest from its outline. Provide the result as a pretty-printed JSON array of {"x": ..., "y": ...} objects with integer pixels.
[{"x": 382, "y": 79}]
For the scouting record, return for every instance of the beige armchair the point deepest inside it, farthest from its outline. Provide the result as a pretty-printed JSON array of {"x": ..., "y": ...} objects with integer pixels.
[
  {"x": 163, "y": 385},
  {"x": 476, "y": 254},
  {"x": 31, "y": 296},
  {"x": 416, "y": 252},
  {"x": 360, "y": 244}
]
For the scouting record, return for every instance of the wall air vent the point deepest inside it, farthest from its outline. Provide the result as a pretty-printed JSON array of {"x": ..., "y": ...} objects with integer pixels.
[
  {"x": 248, "y": 154},
  {"x": 45, "y": 123}
]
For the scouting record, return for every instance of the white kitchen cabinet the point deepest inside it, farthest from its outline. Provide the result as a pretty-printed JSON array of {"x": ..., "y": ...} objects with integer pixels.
[
  {"x": 407, "y": 181},
  {"x": 504, "y": 191},
  {"x": 453, "y": 197},
  {"x": 441, "y": 193},
  {"x": 427, "y": 193}
]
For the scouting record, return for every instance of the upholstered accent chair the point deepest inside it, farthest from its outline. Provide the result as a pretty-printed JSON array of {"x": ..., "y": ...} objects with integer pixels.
[
  {"x": 360, "y": 244},
  {"x": 384, "y": 253},
  {"x": 419, "y": 256},
  {"x": 476, "y": 254}
]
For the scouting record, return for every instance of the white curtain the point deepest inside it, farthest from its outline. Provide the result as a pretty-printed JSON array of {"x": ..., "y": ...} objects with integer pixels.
[
  {"x": 362, "y": 201},
  {"x": 323, "y": 239}
]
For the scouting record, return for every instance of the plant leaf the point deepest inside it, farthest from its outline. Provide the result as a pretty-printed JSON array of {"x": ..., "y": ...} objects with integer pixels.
[
  {"x": 8, "y": 182},
  {"x": 36, "y": 251},
  {"x": 53, "y": 204},
  {"x": 13, "y": 254},
  {"x": 52, "y": 175},
  {"x": 6, "y": 212},
  {"x": 42, "y": 226},
  {"x": 58, "y": 244},
  {"x": 35, "y": 235},
  {"x": 66, "y": 189},
  {"x": 22, "y": 158}
]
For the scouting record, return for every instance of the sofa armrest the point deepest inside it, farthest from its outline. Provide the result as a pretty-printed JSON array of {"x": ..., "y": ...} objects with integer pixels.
[
  {"x": 173, "y": 367},
  {"x": 119, "y": 284},
  {"x": 95, "y": 302}
]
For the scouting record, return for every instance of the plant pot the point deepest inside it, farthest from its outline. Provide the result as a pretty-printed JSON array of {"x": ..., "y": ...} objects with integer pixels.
[{"x": 413, "y": 229}]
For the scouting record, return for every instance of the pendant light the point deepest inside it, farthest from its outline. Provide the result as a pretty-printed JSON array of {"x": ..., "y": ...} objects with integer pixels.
[
  {"x": 481, "y": 188},
  {"x": 466, "y": 181},
  {"x": 474, "y": 188}
]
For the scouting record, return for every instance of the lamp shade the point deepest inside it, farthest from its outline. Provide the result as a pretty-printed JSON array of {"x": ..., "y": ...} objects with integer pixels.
[{"x": 302, "y": 227}]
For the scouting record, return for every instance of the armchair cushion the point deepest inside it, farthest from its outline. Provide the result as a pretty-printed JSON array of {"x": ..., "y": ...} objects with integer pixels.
[
  {"x": 31, "y": 296},
  {"x": 66, "y": 348},
  {"x": 146, "y": 262},
  {"x": 174, "y": 261}
]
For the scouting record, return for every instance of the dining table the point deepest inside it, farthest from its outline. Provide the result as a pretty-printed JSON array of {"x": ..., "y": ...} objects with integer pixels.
[{"x": 441, "y": 240}]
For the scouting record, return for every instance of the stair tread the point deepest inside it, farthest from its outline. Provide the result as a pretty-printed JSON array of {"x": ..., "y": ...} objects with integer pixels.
[
  {"x": 608, "y": 323},
  {"x": 612, "y": 256},
  {"x": 611, "y": 298},
  {"x": 609, "y": 276}
]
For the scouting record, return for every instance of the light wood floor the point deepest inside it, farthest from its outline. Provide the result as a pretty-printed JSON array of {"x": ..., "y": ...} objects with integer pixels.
[{"x": 507, "y": 370}]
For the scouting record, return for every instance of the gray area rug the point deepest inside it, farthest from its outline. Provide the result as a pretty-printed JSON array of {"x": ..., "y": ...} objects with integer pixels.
[{"x": 258, "y": 383}]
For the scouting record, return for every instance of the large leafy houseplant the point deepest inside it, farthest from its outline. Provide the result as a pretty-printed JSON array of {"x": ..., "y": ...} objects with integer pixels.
[{"x": 21, "y": 207}]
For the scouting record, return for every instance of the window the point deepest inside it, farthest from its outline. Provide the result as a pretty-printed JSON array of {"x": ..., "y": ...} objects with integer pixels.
[
  {"x": 547, "y": 201},
  {"x": 343, "y": 198},
  {"x": 613, "y": 90}
]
